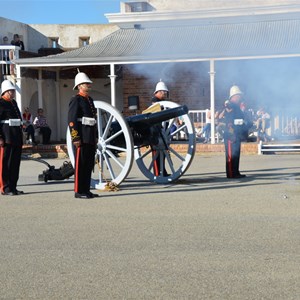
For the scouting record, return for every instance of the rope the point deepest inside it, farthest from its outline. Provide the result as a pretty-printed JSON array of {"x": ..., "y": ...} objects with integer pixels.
[{"x": 109, "y": 186}]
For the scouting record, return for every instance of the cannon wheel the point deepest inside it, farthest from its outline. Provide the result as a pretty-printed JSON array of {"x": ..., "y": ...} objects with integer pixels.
[
  {"x": 172, "y": 164},
  {"x": 113, "y": 162}
]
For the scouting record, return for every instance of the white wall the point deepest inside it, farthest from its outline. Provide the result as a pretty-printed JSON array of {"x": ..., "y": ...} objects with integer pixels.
[
  {"x": 178, "y": 5},
  {"x": 30, "y": 99},
  {"x": 36, "y": 36},
  {"x": 9, "y": 28},
  {"x": 68, "y": 34}
]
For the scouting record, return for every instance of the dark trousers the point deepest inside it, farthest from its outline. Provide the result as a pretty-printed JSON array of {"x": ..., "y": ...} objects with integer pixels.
[
  {"x": 232, "y": 153},
  {"x": 10, "y": 160},
  {"x": 46, "y": 134},
  {"x": 84, "y": 164},
  {"x": 30, "y": 132}
]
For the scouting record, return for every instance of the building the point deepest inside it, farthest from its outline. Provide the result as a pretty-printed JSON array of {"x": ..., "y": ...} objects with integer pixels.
[
  {"x": 41, "y": 40},
  {"x": 199, "y": 48}
]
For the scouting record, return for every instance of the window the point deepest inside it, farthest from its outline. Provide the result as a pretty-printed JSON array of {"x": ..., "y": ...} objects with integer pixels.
[
  {"x": 53, "y": 42},
  {"x": 138, "y": 6},
  {"x": 84, "y": 41}
]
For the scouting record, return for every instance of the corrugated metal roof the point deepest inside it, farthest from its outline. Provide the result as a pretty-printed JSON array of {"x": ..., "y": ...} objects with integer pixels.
[{"x": 198, "y": 42}]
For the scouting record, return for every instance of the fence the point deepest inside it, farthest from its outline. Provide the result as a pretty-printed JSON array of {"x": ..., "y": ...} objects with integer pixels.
[
  {"x": 281, "y": 125},
  {"x": 290, "y": 125}
]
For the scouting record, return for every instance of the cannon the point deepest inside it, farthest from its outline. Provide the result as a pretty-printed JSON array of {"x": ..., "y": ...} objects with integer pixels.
[
  {"x": 146, "y": 138},
  {"x": 63, "y": 172}
]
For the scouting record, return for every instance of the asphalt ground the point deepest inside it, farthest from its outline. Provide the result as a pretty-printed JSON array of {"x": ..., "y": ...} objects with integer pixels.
[{"x": 205, "y": 237}]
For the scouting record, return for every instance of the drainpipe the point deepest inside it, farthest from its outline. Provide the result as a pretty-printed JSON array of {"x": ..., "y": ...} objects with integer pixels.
[
  {"x": 18, "y": 88},
  {"x": 40, "y": 89},
  {"x": 212, "y": 99},
  {"x": 112, "y": 77},
  {"x": 58, "y": 106}
]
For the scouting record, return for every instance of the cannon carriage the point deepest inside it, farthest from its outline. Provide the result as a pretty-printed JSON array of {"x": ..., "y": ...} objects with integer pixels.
[{"x": 149, "y": 139}]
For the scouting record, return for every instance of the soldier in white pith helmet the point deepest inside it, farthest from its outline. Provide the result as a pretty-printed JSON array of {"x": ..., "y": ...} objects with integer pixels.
[
  {"x": 234, "y": 128},
  {"x": 235, "y": 92},
  {"x": 161, "y": 92},
  {"x": 83, "y": 129},
  {"x": 11, "y": 140}
]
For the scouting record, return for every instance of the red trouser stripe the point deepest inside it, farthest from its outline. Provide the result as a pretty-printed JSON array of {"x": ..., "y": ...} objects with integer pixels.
[
  {"x": 230, "y": 159},
  {"x": 155, "y": 166},
  {"x": 1, "y": 169},
  {"x": 77, "y": 169}
]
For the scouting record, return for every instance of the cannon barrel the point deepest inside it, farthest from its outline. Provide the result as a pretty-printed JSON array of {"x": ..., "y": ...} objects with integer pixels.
[
  {"x": 150, "y": 119},
  {"x": 145, "y": 128}
]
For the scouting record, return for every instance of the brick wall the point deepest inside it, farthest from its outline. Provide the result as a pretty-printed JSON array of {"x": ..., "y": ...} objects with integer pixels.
[{"x": 187, "y": 83}]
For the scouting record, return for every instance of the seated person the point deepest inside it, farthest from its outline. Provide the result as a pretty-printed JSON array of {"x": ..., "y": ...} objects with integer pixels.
[
  {"x": 177, "y": 123},
  {"x": 28, "y": 126},
  {"x": 220, "y": 126},
  {"x": 206, "y": 130},
  {"x": 40, "y": 123}
]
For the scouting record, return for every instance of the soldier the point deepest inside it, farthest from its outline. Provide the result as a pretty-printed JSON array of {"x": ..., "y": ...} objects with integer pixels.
[
  {"x": 11, "y": 140},
  {"x": 161, "y": 93},
  {"x": 234, "y": 120},
  {"x": 83, "y": 128}
]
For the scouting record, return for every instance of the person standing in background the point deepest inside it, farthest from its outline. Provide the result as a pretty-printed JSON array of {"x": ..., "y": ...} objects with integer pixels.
[
  {"x": 11, "y": 140},
  {"x": 17, "y": 42},
  {"x": 5, "y": 40},
  {"x": 262, "y": 124}
]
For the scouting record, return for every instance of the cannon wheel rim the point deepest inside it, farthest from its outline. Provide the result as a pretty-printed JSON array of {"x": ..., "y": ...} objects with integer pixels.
[
  {"x": 184, "y": 158},
  {"x": 104, "y": 153}
]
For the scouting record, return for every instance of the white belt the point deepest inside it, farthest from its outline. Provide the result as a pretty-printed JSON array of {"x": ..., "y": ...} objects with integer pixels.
[
  {"x": 238, "y": 121},
  {"x": 12, "y": 122},
  {"x": 87, "y": 121}
]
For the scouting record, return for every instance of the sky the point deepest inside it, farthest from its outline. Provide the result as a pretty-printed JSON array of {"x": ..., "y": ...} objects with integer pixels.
[{"x": 59, "y": 11}]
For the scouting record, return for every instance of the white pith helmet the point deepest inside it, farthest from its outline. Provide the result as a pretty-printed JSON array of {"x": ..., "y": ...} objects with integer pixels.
[
  {"x": 6, "y": 85},
  {"x": 235, "y": 90},
  {"x": 161, "y": 86},
  {"x": 81, "y": 78}
]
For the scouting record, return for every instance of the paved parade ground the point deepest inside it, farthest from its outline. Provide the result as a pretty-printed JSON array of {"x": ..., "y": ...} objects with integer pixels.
[{"x": 205, "y": 237}]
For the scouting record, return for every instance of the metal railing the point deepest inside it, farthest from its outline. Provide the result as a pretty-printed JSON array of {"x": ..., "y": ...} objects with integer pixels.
[
  {"x": 198, "y": 116},
  {"x": 7, "y": 55},
  {"x": 270, "y": 148},
  {"x": 290, "y": 125}
]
